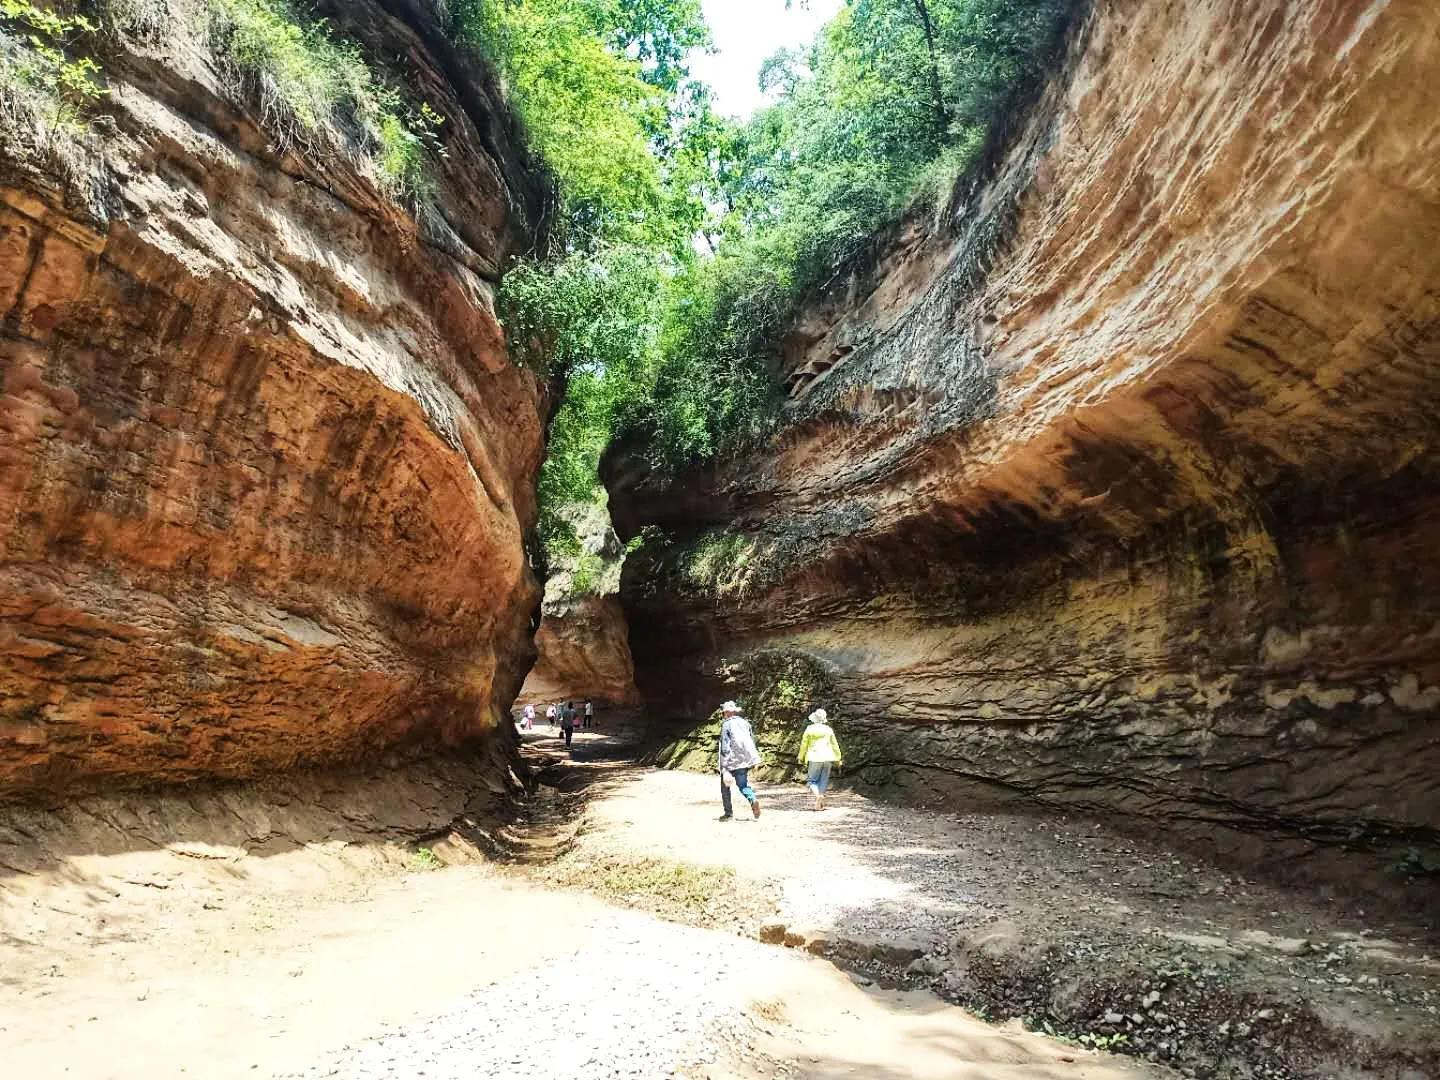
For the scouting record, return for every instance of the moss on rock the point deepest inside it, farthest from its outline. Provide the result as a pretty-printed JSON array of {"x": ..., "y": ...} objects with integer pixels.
[{"x": 777, "y": 689}]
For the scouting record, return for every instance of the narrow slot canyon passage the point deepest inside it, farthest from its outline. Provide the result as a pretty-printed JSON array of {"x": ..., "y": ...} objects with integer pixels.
[
  {"x": 705, "y": 539},
  {"x": 380, "y": 925}
]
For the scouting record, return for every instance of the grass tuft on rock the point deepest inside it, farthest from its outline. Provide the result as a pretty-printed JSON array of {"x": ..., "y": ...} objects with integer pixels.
[
  {"x": 317, "y": 92},
  {"x": 46, "y": 73}
]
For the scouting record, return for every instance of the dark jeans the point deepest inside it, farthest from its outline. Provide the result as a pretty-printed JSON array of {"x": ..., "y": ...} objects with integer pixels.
[
  {"x": 742, "y": 781},
  {"x": 568, "y": 733}
]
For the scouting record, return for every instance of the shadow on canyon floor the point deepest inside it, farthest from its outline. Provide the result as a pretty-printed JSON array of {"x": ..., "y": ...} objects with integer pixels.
[
  {"x": 400, "y": 802},
  {"x": 1062, "y": 921},
  {"x": 378, "y": 812}
]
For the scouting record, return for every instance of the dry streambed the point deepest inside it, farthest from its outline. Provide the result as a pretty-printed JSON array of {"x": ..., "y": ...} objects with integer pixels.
[
  {"x": 1063, "y": 924},
  {"x": 316, "y": 930},
  {"x": 292, "y": 930}
]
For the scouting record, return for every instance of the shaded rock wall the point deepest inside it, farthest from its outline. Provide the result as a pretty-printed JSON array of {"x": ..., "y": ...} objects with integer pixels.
[
  {"x": 1117, "y": 488},
  {"x": 583, "y": 643},
  {"x": 265, "y": 471}
]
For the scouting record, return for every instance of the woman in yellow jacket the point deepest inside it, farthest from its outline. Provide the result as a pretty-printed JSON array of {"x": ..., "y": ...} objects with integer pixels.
[{"x": 819, "y": 751}]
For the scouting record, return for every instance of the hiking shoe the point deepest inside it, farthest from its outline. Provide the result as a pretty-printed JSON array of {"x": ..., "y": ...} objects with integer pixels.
[
  {"x": 755, "y": 807},
  {"x": 726, "y": 817}
]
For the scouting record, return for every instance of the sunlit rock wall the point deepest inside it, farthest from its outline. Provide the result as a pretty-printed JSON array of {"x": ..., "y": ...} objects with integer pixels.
[
  {"x": 265, "y": 470},
  {"x": 583, "y": 643},
  {"x": 1116, "y": 488}
]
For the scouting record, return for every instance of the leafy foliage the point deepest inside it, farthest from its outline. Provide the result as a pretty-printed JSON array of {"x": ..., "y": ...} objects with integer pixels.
[
  {"x": 315, "y": 88},
  {"x": 605, "y": 96},
  {"x": 718, "y": 562},
  {"x": 670, "y": 349},
  {"x": 895, "y": 100},
  {"x": 587, "y": 320},
  {"x": 586, "y": 574},
  {"x": 597, "y": 83},
  {"x": 39, "y": 62}
]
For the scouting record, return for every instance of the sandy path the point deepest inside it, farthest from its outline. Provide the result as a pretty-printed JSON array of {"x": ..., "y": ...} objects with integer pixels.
[
  {"x": 1063, "y": 921},
  {"x": 458, "y": 973},
  {"x": 642, "y": 998},
  {"x": 336, "y": 961},
  {"x": 269, "y": 980},
  {"x": 864, "y": 866}
]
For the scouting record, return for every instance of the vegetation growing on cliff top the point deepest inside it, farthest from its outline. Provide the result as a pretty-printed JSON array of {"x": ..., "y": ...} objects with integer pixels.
[
  {"x": 44, "y": 69},
  {"x": 679, "y": 265},
  {"x": 606, "y": 98},
  {"x": 315, "y": 90}
]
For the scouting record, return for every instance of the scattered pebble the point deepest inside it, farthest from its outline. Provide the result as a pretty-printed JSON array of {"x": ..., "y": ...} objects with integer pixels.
[{"x": 642, "y": 1001}]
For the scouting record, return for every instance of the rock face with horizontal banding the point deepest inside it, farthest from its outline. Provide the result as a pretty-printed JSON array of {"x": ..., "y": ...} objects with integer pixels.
[
  {"x": 583, "y": 645},
  {"x": 1117, "y": 487},
  {"x": 265, "y": 470}
]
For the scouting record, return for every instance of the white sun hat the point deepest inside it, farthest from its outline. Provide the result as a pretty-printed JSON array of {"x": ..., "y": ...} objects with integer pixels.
[
  {"x": 818, "y": 716},
  {"x": 729, "y": 707}
]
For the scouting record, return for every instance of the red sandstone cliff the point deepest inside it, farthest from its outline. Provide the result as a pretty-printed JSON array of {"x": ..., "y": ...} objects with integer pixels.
[
  {"x": 265, "y": 470},
  {"x": 1117, "y": 489},
  {"x": 583, "y": 645}
]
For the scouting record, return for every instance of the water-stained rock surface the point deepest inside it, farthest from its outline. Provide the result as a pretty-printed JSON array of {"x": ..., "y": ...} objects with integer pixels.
[
  {"x": 265, "y": 470},
  {"x": 1116, "y": 487}
]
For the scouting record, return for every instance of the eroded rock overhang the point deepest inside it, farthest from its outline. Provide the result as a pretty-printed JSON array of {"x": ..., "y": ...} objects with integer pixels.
[
  {"x": 265, "y": 470},
  {"x": 1116, "y": 487}
]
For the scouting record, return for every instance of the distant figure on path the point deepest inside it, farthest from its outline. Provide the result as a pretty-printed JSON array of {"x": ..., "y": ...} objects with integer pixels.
[
  {"x": 528, "y": 721},
  {"x": 567, "y": 722},
  {"x": 550, "y": 714},
  {"x": 737, "y": 757},
  {"x": 819, "y": 750},
  {"x": 589, "y": 713}
]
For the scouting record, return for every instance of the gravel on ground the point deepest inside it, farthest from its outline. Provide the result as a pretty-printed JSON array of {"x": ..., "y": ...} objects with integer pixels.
[
  {"x": 1062, "y": 921},
  {"x": 643, "y": 999}
]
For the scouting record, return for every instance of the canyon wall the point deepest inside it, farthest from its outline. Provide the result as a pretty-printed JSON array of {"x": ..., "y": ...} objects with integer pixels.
[
  {"x": 265, "y": 471},
  {"x": 1114, "y": 487},
  {"x": 583, "y": 644}
]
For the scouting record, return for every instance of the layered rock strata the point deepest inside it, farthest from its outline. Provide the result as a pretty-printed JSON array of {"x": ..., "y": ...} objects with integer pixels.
[
  {"x": 1117, "y": 488},
  {"x": 583, "y": 644},
  {"x": 265, "y": 471}
]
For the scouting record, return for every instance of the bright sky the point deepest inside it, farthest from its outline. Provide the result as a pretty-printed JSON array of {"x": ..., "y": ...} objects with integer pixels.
[{"x": 746, "y": 33}]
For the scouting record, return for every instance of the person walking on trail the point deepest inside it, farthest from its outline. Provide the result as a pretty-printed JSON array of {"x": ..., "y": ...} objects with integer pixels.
[
  {"x": 550, "y": 714},
  {"x": 589, "y": 714},
  {"x": 567, "y": 722},
  {"x": 529, "y": 716},
  {"x": 819, "y": 752},
  {"x": 737, "y": 757}
]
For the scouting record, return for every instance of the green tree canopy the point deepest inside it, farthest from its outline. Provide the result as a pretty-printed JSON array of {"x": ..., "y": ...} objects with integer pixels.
[{"x": 688, "y": 238}]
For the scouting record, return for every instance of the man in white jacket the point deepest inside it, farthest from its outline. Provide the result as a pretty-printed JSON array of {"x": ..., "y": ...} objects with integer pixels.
[{"x": 738, "y": 756}]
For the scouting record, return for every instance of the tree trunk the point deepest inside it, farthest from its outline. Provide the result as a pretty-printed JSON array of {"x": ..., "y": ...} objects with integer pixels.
[{"x": 937, "y": 95}]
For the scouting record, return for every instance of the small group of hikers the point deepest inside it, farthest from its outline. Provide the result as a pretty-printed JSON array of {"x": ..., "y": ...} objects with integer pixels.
[
  {"x": 819, "y": 753},
  {"x": 565, "y": 716}
]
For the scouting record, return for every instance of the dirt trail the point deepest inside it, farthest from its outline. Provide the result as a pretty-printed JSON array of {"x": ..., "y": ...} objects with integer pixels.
[
  {"x": 210, "y": 948},
  {"x": 361, "y": 959},
  {"x": 1061, "y": 921}
]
